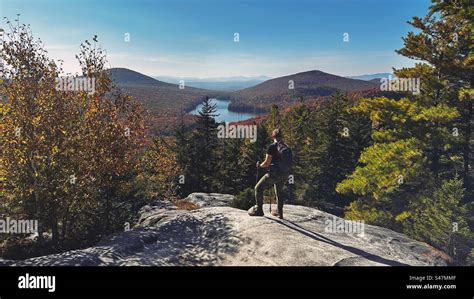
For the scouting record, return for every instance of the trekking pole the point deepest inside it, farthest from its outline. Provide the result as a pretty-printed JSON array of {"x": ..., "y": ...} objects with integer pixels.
[
  {"x": 270, "y": 202},
  {"x": 256, "y": 177},
  {"x": 258, "y": 173}
]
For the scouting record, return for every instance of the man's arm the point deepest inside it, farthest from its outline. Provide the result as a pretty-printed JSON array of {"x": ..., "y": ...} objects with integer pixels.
[{"x": 267, "y": 162}]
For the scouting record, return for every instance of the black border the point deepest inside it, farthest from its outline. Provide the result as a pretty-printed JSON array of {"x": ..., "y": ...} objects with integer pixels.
[{"x": 237, "y": 282}]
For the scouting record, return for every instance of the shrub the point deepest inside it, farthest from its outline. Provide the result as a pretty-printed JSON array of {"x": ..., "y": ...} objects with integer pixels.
[{"x": 245, "y": 199}]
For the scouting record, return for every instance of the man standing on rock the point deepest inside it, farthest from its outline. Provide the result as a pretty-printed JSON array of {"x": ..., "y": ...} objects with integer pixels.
[{"x": 278, "y": 160}]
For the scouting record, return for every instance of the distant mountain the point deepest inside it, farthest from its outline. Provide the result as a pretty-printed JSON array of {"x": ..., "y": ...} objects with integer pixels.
[
  {"x": 126, "y": 76},
  {"x": 160, "y": 98},
  {"x": 172, "y": 79},
  {"x": 370, "y": 77},
  {"x": 220, "y": 83},
  {"x": 307, "y": 84}
]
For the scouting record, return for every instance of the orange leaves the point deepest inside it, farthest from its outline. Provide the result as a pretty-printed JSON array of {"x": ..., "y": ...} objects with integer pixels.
[{"x": 74, "y": 135}]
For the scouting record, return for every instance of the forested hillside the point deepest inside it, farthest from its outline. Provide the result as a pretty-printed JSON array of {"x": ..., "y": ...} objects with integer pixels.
[{"x": 82, "y": 163}]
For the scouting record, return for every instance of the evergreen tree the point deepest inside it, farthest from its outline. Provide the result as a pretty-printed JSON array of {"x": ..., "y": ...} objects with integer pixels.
[
  {"x": 445, "y": 41},
  {"x": 327, "y": 143},
  {"x": 274, "y": 119},
  {"x": 416, "y": 147},
  {"x": 182, "y": 149},
  {"x": 204, "y": 142},
  {"x": 230, "y": 175},
  {"x": 440, "y": 218},
  {"x": 298, "y": 126}
]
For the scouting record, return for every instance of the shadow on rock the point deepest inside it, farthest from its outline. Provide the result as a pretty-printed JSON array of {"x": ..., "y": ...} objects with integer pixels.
[
  {"x": 178, "y": 239},
  {"x": 321, "y": 238}
]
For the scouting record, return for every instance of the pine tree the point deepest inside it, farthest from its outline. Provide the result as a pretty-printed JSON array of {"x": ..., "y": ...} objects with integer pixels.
[
  {"x": 204, "y": 142},
  {"x": 415, "y": 145},
  {"x": 298, "y": 126},
  {"x": 327, "y": 143},
  {"x": 182, "y": 149},
  {"x": 440, "y": 218},
  {"x": 274, "y": 119},
  {"x": 230, "y": 175},
  {"x": 445, "y": 41}
]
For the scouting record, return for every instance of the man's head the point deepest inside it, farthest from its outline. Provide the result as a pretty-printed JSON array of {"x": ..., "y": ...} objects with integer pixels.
[{"x": 276, "y": 134}]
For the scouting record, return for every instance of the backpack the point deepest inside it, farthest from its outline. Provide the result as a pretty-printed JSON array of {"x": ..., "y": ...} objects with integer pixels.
[{"x": 286, "y": 158}]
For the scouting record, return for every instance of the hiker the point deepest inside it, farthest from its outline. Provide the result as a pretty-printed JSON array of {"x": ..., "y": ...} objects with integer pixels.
[{"x": 278, "y": 161}]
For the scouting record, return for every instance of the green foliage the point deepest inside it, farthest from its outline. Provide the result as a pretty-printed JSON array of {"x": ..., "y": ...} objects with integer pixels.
[
  {"x": 386, "y": 167},
  {"x": 274, "y": 119},
  {"x": 377, "y": 213},
  {"x": 326, "y": 144},
  {"x": 423, "y": 139},
  {"x": 245, "y": 199},
  {"x": 440, "y": 219}
]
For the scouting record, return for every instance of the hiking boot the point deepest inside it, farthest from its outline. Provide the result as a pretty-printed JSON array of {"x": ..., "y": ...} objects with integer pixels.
[
  {"x": 276, "y": 214},
  {"x": 256, "y": 211}
]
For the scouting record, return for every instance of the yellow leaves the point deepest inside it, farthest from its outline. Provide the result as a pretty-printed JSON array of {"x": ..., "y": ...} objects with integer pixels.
[
  {"x": 36, "y": 120},
  {"x": 440, "y": 114},
  {"x": 402, "y": 112},
  {"x": 414, "y": 72},
  {"x": 403, "y": 215},
  {"x": 55, "y": 150},
  {"x": 92, "y": 109},
  {"x": 466, "y": 94},
  {"x": 384, "y": 163}
]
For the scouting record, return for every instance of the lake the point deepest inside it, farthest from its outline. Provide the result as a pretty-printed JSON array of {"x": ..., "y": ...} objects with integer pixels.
[{"x": 224, "y": 114}]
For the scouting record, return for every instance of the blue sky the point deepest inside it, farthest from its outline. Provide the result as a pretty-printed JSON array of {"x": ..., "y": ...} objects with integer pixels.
[{"x": 195, "y": 38}]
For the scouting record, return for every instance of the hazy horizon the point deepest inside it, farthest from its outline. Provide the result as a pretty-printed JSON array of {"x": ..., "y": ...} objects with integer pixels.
[{"x": 263, "y": 76}]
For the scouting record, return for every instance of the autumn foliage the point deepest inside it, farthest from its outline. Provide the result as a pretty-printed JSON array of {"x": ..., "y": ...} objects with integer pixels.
[{"x": 66, "y": 156}]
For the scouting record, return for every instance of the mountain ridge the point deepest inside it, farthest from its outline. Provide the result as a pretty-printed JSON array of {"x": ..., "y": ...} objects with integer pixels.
[
  {"x": 160, "y": 98},
  {"x": 287, "y": 89}
]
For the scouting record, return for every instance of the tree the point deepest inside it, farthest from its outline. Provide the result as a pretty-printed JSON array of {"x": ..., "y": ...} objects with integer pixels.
[
  {"x": 67, "y": 155},
  {"x": 183, "y": 158},
  {"x": 230, "y": 174},
  {"x": 159, "y": 173},
  {"x": 440, "y": 219},
  {"x": 203, "y": 143},
  {"x": 326, "y": 144},
  {"x": 445, "y": 41},
  {"x": 274, "y": 119},
  {"x": 343, "y": 137},
  {"x": 406, "y": 150},
  {"x": 416, "y": 146}
]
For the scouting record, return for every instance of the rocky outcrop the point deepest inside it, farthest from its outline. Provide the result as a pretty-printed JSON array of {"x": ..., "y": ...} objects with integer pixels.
[
  {"x": 210, "y": 199},
  {"x": 166, "y": 236}
]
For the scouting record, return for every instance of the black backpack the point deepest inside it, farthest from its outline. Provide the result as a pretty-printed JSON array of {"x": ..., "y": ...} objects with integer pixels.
[{"x": 286, "y": 158}]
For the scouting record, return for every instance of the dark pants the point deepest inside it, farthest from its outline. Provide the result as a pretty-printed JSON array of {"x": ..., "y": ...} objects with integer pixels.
[{"x": 267, "y": 181}]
